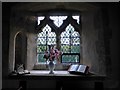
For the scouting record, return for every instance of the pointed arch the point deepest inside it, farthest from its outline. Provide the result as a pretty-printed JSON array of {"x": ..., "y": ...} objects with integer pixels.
[
  {"x": 66, "y": 37},
  {"x": 20, "y": 48},
  {"x": 44, "y": 38}
]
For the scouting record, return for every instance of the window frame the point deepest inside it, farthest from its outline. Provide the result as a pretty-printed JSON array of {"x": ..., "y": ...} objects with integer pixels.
[{"x": 55, "y": 28}]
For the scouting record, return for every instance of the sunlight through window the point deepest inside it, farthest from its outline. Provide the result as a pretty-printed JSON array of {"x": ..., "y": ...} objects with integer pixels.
[
  {"x": 77, "y": 18},
  {"x": 40, "y": 18},
  {"x": 58, "y": 20}
]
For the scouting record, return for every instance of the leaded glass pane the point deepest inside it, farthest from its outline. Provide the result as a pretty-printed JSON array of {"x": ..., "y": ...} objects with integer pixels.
[
  {"x": 40, "y": 58},
  {"x": 41, "y": 48},
  {"x": 69, "y": 29},
  {"x": 65, "y": 41},
  {"x": 75, "y": 49},
  {"x": 40, "y": 18},
  {"x": 65, "y": 35},
  {"x": 75, "y": 41},
  {"x": 46, "y": 29},
  {"x": 41, "y": 41},
  {"x": 51, "y": 41},
  {"x": 77, "y": 18},
  {"x": 58, "y": 20},
  {"x": 70, "y": 58},
  {"x": 45, "y": 38},
  {"x": 75, "y": 34},
  {"x": 70, "y": 40},
  {"x": 65, "y": 48}
]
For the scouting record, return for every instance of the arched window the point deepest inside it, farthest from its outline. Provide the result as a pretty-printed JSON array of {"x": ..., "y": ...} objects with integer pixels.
[
  {"x": 45, "y": 38},
  {"x": 70, "y": 44},
  {"x": 61, "y": 31}
]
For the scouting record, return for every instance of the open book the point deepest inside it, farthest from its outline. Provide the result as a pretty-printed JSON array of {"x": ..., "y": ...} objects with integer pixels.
[{"x": 78, "y": 69}]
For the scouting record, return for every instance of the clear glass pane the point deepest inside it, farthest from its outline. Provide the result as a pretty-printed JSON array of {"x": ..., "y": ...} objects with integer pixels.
[
  {"x": 65, "y": 48},
  {"x": 46, "y": 29},
  {"x": 41, "y": 41},
  {"x": 46, "y": 37},
  {"x": 70, "y": 40},
  {"x": 40, "y": 58},
  {"x": 51, "y": 35},
  {"x": 65, "y": 34},
  {"x": 75, "y": 49},
  {"x": 77, "y": 18},
  {"x": 75, "y": 34},
  {"x": 65, "y": 41},
  {"x": 75, "y": 41},
  {"x": 70, "y": 58},
  {"x": 40, "y": 18},
  {"x": 41, "y": 49},
  {"x": 51, "y": 41},
  {"x": 58, "y": 20},
  {"x": 69, "y": 29}
]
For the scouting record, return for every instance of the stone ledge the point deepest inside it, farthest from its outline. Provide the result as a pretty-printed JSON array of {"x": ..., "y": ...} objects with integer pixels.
[{"x": 39, "y": 66}]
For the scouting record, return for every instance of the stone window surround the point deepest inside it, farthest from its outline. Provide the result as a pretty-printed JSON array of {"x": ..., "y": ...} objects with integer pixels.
[
  {"x": 66, "y": 22},
  {"x": 58, "y": 30}
]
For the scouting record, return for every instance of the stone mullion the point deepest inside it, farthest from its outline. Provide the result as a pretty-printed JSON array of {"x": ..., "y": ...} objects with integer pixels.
[{"x": 58, "y": 43}]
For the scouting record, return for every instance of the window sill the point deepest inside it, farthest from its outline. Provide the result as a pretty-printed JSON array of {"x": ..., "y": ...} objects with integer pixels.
[{"x": 43, "y": 66}]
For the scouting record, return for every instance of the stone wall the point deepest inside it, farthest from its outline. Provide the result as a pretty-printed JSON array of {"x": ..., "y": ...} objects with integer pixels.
[
  {"x": 25, "y": 23},
  {"x": 96, "y": 40},
  {"x": 93, "y": 42}
]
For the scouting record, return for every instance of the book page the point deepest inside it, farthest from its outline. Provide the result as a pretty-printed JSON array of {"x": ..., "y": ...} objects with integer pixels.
[
  {"x": 81, "y": 68},
  {"x": 73, "y": 68}
]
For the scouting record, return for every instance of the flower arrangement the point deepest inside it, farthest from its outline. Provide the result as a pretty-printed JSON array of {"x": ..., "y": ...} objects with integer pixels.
[{"x": 52, "y": 54}]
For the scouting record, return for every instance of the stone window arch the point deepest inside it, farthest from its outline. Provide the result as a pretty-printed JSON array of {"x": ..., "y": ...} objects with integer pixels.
[{"x": 20, "y": 40}]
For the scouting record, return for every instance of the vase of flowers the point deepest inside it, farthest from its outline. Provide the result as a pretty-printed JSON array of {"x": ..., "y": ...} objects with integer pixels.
[
  {"x": 51, "y": 67},
  {"x": 51, "y": 55}
]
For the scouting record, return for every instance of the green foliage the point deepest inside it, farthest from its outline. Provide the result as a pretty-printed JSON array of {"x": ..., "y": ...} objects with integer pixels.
[
  {"x": 41, "y": 49},
  {"x": 70, "y": 49},
  {"x": 64, "y": 49},
  {"x": 70, "y": 58},
  {"x": 40, "y": 58}
]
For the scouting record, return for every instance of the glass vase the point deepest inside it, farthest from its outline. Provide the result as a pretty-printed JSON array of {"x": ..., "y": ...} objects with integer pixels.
[{"x": 51, "y": 67}]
